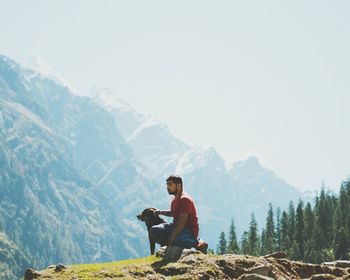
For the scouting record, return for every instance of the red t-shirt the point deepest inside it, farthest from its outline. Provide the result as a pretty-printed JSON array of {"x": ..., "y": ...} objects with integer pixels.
[{"x": 185, "y": 204}]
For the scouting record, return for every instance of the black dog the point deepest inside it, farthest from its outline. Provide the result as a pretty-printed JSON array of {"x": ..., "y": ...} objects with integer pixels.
[{"x": 150, "y": 218}]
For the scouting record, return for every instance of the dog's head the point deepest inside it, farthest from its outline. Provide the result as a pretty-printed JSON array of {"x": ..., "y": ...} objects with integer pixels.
[{"x": 150, "y": 217}]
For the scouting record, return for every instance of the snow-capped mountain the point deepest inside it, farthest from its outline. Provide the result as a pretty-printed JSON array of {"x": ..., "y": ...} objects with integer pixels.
[
  {"x": 150, "y": 139},
  {"x": 220, "y": 192},
  {"x": 38, "y": 65}
]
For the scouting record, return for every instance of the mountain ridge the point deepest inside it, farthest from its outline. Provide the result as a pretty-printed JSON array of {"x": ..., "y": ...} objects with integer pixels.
[{"x": 207, "y": 164}]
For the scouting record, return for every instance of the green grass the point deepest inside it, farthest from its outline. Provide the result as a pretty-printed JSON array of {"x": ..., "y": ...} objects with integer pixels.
[{"x": 113, "y": 270}]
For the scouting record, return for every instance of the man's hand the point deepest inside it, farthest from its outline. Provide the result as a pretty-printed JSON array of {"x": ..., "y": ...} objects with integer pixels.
[{"x": 163, "y": 212}]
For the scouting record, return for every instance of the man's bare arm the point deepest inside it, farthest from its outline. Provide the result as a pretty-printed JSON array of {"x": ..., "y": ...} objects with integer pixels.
[
  {"x": 165, "y": 213},
  {"x": 183, "y": 217}
]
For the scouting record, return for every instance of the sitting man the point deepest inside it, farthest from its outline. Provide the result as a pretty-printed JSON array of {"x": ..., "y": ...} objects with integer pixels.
[{"x": 183, "y": 232}]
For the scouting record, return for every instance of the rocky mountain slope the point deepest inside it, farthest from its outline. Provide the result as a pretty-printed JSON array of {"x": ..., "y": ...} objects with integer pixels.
[
  {"x": 12, "y": 259},
  {"x": 67, "y": 176}
]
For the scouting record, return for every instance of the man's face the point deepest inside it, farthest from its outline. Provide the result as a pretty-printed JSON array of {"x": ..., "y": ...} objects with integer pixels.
[{"x": 171, "y": 186}]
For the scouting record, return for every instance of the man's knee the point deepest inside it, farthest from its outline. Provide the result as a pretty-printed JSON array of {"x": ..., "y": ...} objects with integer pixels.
[{"x": 185, "y": 239}]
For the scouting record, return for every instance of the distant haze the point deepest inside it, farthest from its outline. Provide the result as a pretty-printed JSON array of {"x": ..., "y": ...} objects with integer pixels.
[{"x": 263, "y": 78}]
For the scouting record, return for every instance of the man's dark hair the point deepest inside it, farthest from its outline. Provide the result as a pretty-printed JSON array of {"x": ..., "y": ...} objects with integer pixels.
[{"x": 176, "y": 179}]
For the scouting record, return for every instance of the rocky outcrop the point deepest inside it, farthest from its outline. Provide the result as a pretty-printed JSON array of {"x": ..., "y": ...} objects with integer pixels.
[
  {"x": 191, "y": 264},
  {"x": 32, "y": 274}
]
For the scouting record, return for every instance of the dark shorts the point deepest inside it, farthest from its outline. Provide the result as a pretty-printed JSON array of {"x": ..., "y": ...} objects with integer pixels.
[{"x": 161, "y": 233}]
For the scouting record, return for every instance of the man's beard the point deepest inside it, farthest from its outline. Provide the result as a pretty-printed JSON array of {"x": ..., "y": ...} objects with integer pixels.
[{"x": 170, "y": 192}]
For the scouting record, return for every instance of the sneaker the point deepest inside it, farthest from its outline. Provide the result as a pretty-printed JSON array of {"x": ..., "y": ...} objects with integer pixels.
[{"x": 202, "y": 246}]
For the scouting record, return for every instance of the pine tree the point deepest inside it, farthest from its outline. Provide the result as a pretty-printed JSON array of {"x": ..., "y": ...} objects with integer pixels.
[
  {"x": 222, "y": 246},
  {"x": 244, "y": 243},
  {"x": 253, "y": 238},
  {"x": 341, "y": 240},
  {"x": 291, "y": 224},
  {"x": 278, "y": 229},
  {"x": 346, "y": 210},
  {"x": 284, "y": 232},
  {"x": 345, "y": 204},
  {"x": 232, "y": 240},
  {"x": 299, "y": 232},
  {"x": 323, "y": 228},
  {"x": 320, "y": 237},
  {"x": 262, "y": 243},
  {"x": 309, "y": 231},
  {"x": 324, "y": 217},
  {"x": 270, "y": 232}
]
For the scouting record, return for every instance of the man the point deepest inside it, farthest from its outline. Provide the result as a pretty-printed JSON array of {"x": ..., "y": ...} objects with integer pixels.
[{"x": 183, "y": 232}]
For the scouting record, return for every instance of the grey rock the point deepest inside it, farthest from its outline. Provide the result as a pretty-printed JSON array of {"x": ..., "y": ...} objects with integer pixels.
[
  {"x": 172, "y": 253},
  {"x": 261, "y": 270},
  {"x": 338, "y": 263},
  {"x": 342, "y": 264},
  {"x": 323, "y": 276},
  {"x": 254, "y": 276},
  {"x": 277, "y": 255},
  {"x": 60, "y": 267},
  {"x": 51, "y": 266},
  {"x": 31, "y": 274},
  {"x": 189, "y": 259},
  {"x": 161, "y": 251},
  {"x": 187, "y": 252}
]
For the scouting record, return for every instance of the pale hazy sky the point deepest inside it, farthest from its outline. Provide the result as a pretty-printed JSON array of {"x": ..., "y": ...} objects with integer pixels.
[{"x": 263, "y": 78}]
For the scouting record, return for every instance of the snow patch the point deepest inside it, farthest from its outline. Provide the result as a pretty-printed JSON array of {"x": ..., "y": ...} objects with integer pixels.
[
  {"x": 193, "y": 159},
  {"x": 109, "y": 99},
  {"x": 38, "y": 65},
  {"x": 146, "y": 122}
]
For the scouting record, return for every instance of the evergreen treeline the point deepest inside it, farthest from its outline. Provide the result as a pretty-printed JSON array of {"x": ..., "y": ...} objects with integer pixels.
[{"x": 311, "y": 234}]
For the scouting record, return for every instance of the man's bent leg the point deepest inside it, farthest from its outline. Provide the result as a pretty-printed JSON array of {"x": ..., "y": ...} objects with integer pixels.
[
  {"x": 161, "y": 233},
  {"x": 186, "y": 239}
]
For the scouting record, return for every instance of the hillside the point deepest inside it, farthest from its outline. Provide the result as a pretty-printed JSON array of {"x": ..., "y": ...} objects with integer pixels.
[
  {"x": 11, "y": 258},
  {"x": 195, "y": 265},
  {"x": 75, "y": 173},
  {"x": 61, "y": 157}
]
